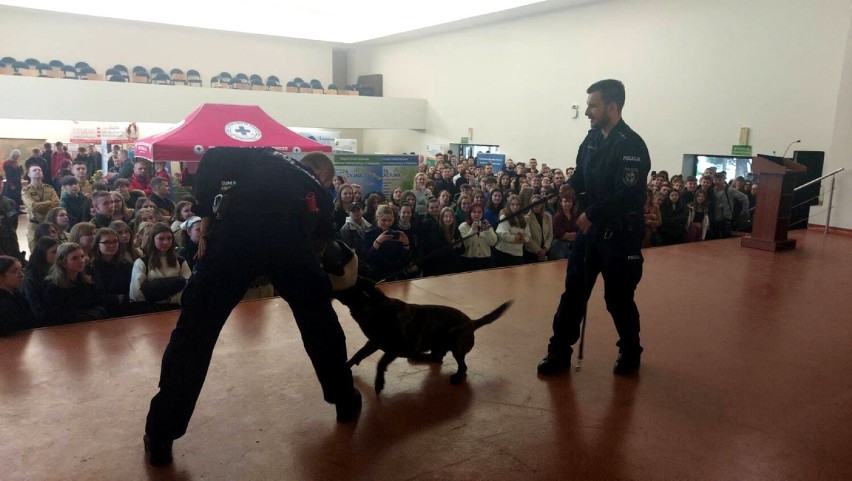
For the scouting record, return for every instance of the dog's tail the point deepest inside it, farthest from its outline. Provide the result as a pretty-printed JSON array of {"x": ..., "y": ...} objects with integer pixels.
[{"x": 491, "y": 316}]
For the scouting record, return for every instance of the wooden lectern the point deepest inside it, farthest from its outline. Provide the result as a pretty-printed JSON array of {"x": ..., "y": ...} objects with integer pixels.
[{"x": 771, "y": 218}]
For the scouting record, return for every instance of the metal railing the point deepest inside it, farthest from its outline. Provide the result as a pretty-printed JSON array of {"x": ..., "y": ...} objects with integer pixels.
[{"x": 830, "y": 196}]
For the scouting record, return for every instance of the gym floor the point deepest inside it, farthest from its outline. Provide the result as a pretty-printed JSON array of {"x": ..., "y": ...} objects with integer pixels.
[{"x": 745, "y": 375}]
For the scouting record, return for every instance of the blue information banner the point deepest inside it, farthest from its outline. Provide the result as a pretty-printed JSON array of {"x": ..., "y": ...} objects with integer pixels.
[
  {"x": 497, "y": 161},
  {"x": 377, "y": 173}
]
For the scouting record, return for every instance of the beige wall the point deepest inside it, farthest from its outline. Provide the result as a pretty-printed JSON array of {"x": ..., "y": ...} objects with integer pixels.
[{"x": 695, "y": 73}]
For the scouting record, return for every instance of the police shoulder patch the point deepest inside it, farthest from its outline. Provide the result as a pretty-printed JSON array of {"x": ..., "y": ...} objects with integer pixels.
[
  {"x": 631, "y": 158},
  {"x": 629, "y": 176}
]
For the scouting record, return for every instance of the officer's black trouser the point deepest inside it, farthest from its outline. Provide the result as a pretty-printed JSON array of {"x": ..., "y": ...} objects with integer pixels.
[
  {"x": 617, "y": 255},
  {"x": 240, "y": 250}
]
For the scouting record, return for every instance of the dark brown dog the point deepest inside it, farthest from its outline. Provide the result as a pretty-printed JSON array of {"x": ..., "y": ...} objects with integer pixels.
[{"x": 408, "y": 330}]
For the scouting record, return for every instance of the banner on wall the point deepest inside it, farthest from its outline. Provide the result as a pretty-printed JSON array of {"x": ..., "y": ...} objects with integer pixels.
[
  {"x": 96, "y": 132},
  {"x": 497, "y": 161},
  {"x": 377, "y": 173}
]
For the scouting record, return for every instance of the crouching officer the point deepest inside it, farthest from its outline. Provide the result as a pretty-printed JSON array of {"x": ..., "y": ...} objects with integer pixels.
[
  {"x": 263, "y": 214},
  {"x": 612, "y": 166}
]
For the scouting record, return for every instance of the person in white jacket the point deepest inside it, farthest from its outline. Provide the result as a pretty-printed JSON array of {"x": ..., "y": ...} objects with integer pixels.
[
  {"x": 540, "y": 225},
  {"x": 512, "y": 234},
  {"x": 159, "y": 263},
  {"x": 479, "y": 237}
]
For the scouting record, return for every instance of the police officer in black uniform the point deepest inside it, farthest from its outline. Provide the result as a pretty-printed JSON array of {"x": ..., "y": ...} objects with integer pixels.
[
  {"x": 262, "y": 214},
  {"x": 612, "y": 167}
]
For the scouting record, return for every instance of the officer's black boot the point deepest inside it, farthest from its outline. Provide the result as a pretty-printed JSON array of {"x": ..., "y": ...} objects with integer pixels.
[
  {"x": 349, "y": 408},
  {"x": 555, "y": 363},
  {"x": 159, "y": 453},
  {"x": 628, "y": 362}
]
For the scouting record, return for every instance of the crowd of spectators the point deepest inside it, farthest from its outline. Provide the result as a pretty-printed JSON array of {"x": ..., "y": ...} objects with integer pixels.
[
  {"x": 114, "y": 244},
  {"x": 102, "y": 244}
]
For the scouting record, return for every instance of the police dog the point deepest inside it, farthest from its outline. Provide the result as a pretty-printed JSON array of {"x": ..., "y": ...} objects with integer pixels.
[{"x": 414, "y": 331}]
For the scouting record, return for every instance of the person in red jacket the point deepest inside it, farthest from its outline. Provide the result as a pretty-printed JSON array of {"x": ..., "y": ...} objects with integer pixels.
[{"x": 140, "y": 179}]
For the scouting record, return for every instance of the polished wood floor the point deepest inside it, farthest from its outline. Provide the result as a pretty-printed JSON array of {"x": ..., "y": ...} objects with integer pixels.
[{"x": 747, "y": 375}]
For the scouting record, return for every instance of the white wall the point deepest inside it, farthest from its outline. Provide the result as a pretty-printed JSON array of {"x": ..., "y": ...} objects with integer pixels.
[
  {"x": 695, "y": 73},
  {"x": 103, "y": 43}
]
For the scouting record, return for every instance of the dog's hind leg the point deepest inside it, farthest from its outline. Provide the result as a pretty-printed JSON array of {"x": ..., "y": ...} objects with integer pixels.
[
  {"x": 362, "y": 353},
  {"x": 459, "y": 376},
  {"x": 380, "y": 371}
]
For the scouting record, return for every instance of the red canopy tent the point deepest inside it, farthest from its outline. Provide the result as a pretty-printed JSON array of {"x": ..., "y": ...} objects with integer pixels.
[{"x": 221, "y": 125}]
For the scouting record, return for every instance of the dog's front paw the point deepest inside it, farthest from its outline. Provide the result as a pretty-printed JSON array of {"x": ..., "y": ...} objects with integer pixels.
[{"x": 457, "y": 378}]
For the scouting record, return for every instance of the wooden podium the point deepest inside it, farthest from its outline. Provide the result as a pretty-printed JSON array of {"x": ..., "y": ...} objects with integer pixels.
[{"x": 771, "y": 218}]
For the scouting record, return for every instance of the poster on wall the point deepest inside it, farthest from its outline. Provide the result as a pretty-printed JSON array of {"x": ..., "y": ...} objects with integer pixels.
[
  {"x": 497, "y": 161},
  {"x": 364, "y": 170},
  {"x": 398, "y": 171},
  {"x": 377, "y": 173},
  {"x": 96, "y": 132}
]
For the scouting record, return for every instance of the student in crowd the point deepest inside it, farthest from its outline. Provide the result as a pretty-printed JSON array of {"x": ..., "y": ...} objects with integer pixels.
[
  {"x": 126, "y": 248},
  {"x": 345, "y": 195},
  {"x": 144, "y": 216},
  {"x": 42, "y": 257},
  {"x": 14, "y": 172},
  {"x": 511, "y": 235},
  {"x": 674, "y": 220},
  {"x": 59, "y": 218},
  {"x": 698, "y": 218},
  {"x": 189, "y": 234},
  {"x": 387, "y": 251},
  {"x": 652, "y": 219},
  {"x": 421, "y": 193},
  {"x": 462, "y": 209},
  {"x": 564, "y": 226},
  {"x": 72, "y": 200},
  {"x": 371, "y": 203},
  {"x": 160, "y": 275},
  {"x": 444, "y": 198},
  {"x": 160, "y": 196},
  {"x": 46, "y": 229},
  {"x": 103, "y": 206},
  {"x": 120, "y": 210},
  {"x": 17, "y": 315},
  {"x": 442, "y": 244},
  {"x": 479, "y": 237},
  {"x": 540, "y": 225},
  {"x": 110, "y": 273},
  {"x": 183, "y": 212},
  {"x": 69, "y": 295},
  {"x": 494, "y": 205},
  {"x": 406, "y": 223},
  {"x": 352, "y": 232},
  {"x": 83, "y": 234},
  {"x": 357, "y": 193},
  {"x": 122, "y": 186},
  {"x": 396, "y": 199}
]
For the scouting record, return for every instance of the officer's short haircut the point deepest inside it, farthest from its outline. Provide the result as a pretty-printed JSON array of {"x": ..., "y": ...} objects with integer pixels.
[
  {"x": 612, "y": 91},
  {"x": 78, "y": 162},
  {"x": 68, "y": 180},
  {"x": 691, "y": 178},
  {"x": 318, "y": 162},
  {"x": 156, "y": 181}
]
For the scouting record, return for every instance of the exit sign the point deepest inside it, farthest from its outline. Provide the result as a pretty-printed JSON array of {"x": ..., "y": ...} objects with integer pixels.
[
  {"x": 741, "y": 150},
  {"x": 465, "y": 140}
]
